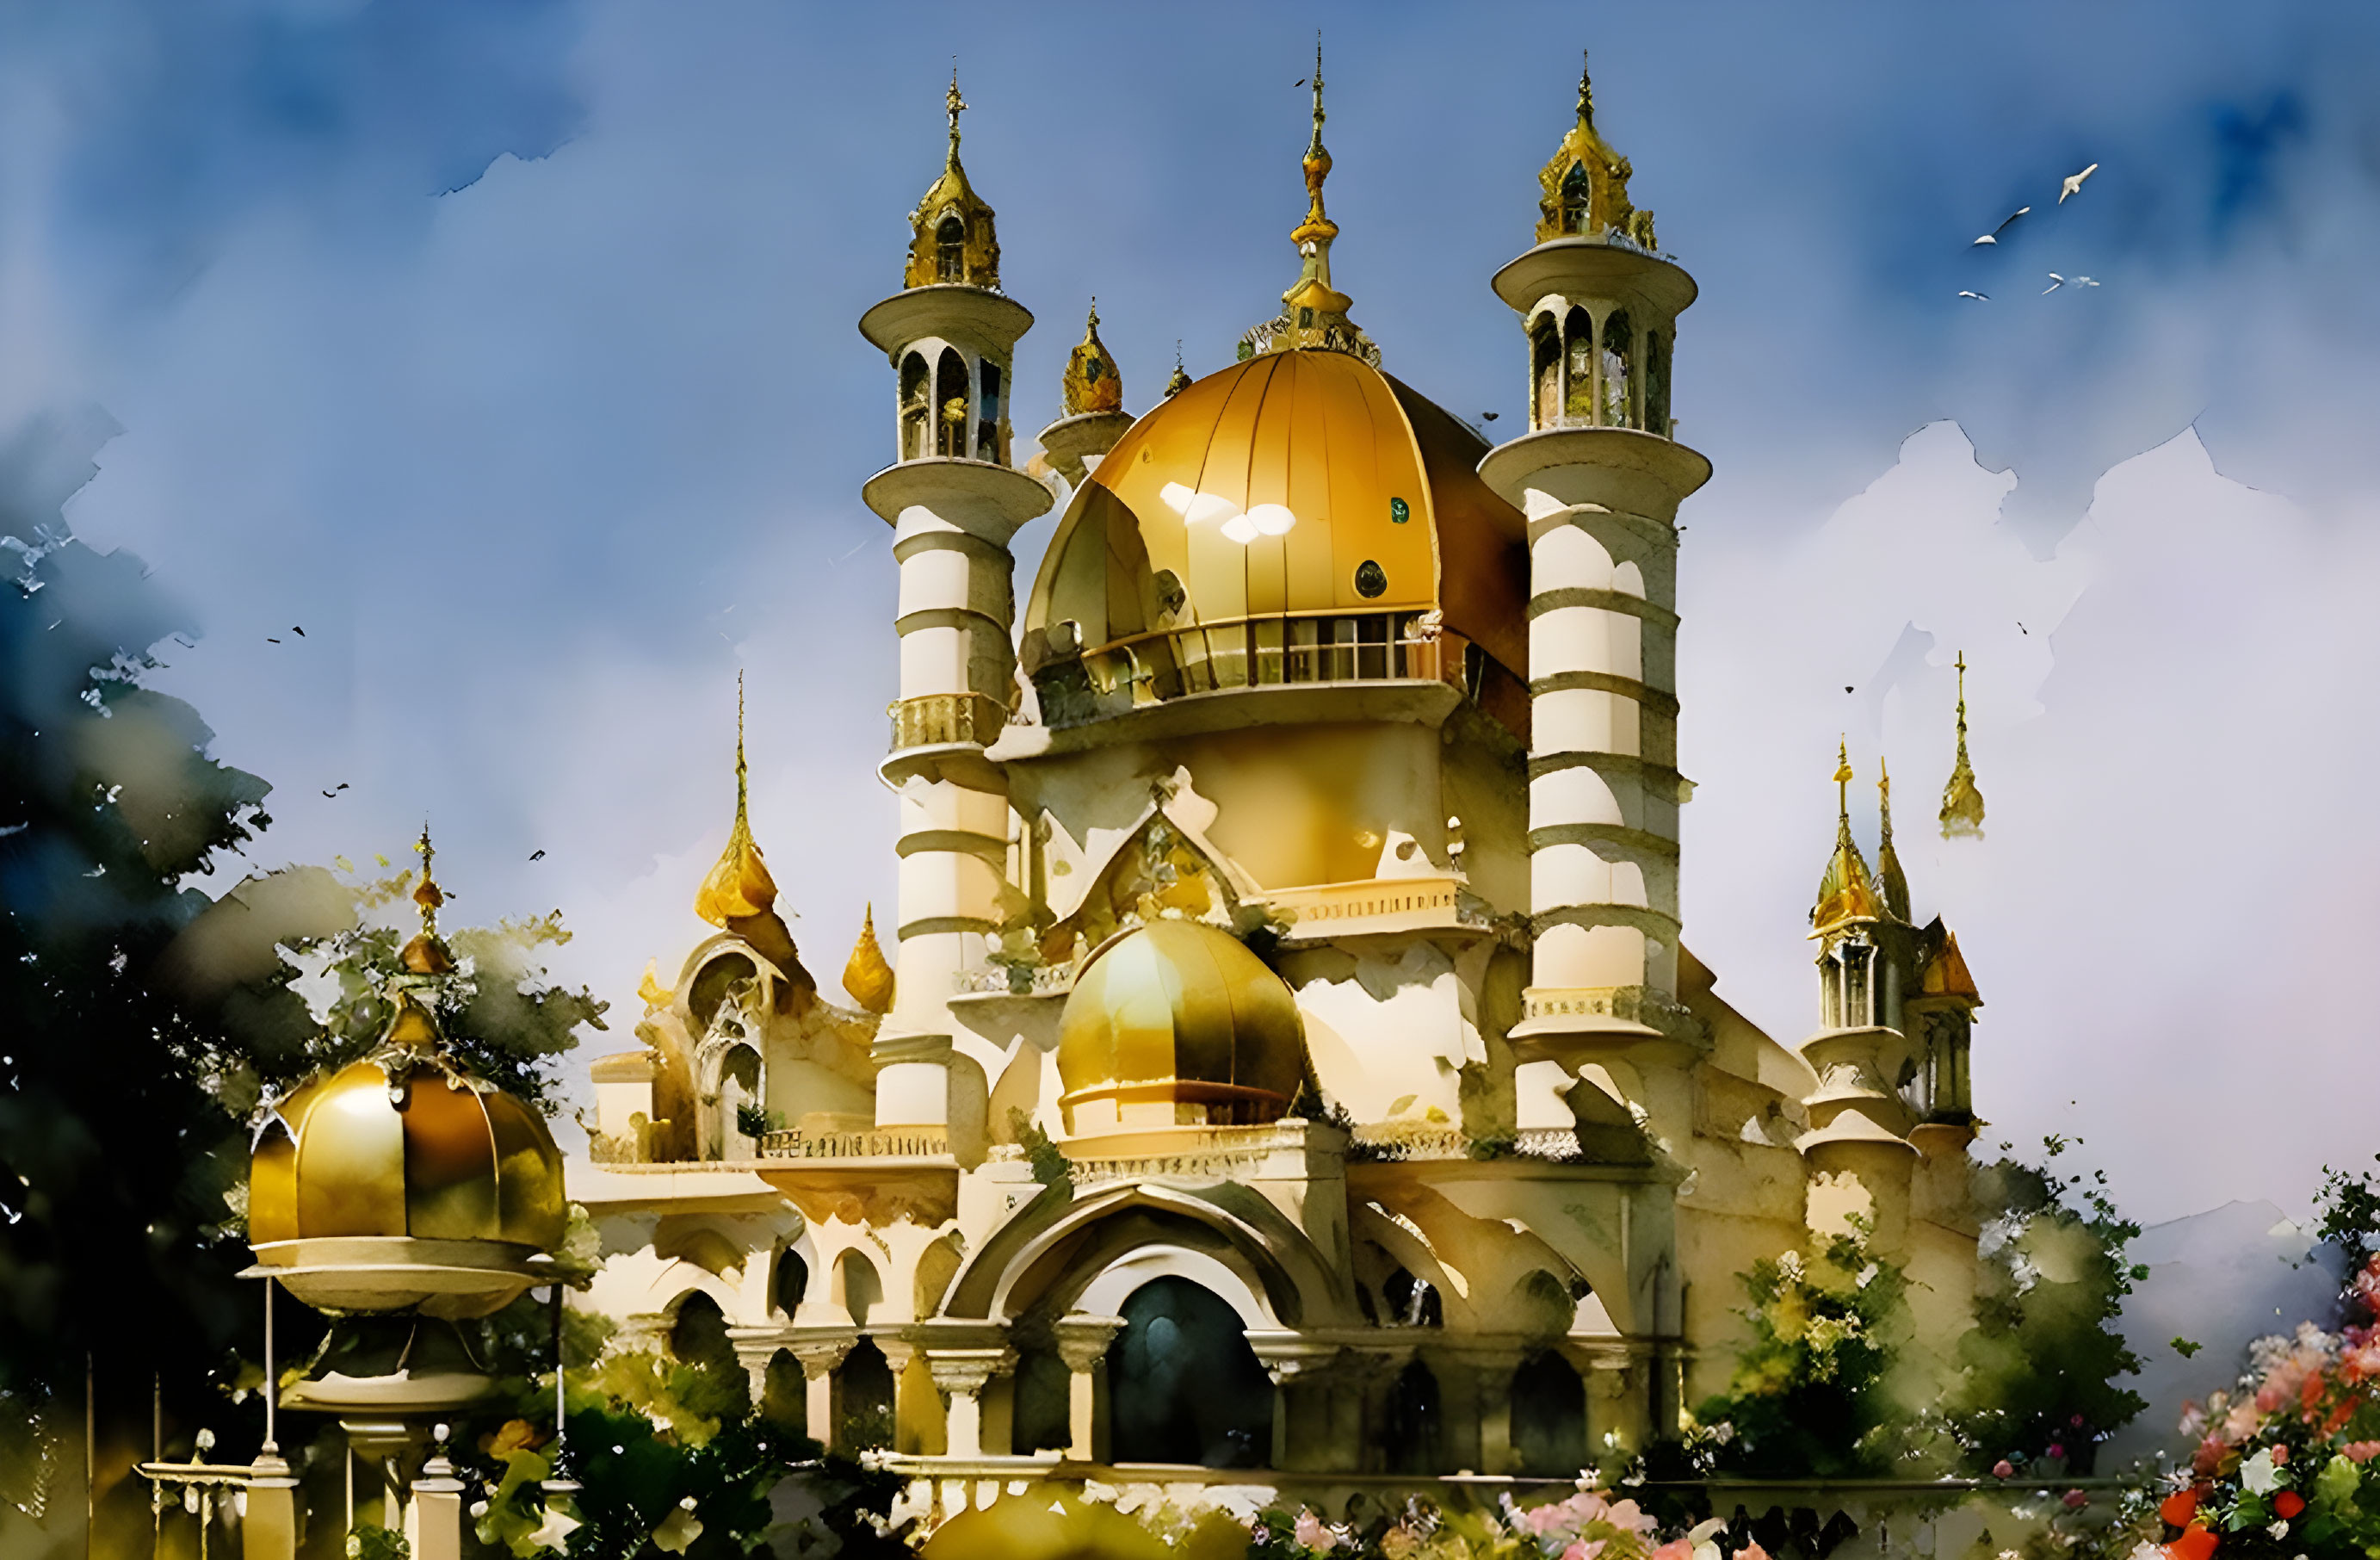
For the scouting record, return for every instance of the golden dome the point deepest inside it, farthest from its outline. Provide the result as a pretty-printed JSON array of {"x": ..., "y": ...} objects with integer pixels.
[
  {"x": 865, "y": 975},
  {"x": 1301, "y": 482},
  {"x": 1179, "y": 1014},
  {"x": 954, "y": 240},
  {"x": 1846, "y": 892},
  {"x": 1962, "y": 803},
  {"x": 1583, "y": 187},
  {"x": 1092, "y": 381},
  {"x": 739, "y": 884}
]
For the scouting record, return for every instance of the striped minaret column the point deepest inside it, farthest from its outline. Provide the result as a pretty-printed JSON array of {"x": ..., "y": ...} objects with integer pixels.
[{"x": 953, "y": 501}]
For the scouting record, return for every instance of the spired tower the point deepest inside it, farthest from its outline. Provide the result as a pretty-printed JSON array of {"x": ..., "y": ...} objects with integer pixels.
[
  {"x": 1599, "y": 477},
  {"x": 954, "y": 502}
]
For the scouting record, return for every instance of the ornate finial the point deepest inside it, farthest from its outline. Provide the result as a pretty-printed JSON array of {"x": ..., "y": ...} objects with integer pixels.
[
  {"x": 1181, "y": 379},
  {"x": 739, "y": 884},
  {"x": 1314, "y": 148},
  {"x": 1844, "y": 777},
  {"x": 426, "y": 955},
  {"x": 1962, "y": 803},
  {"x": 1314, "y": 313},
  {"x": 1092, "y": 382},
  {"x": 1582, "y": 189},
  {"x": 950, "y": 230},
  {"x": 955, "y": 106},
  {"x": 866, "y": 976},
  {"x": 1585, "y": 92},
  {"x": 1888, "y": 874},
  {"x": 1845, "y": 892}
]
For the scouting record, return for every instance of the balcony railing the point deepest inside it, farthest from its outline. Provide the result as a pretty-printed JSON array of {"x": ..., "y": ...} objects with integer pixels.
[
  {"x": 939, "y": 719},
  {"x": 891, "y": 1142}
]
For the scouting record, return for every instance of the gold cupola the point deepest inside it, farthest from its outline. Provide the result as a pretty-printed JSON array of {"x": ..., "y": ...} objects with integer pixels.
[
  {"x": 865, "y": 975},
  {"x": 401, "y": 1181},
  {"x": 1092, "y": 384},
  {"x": 1314, "y": 313},
  {"x": 739, "y": 895},
  {"x": 1890, "y": 878},
  {"x": 952, "y": 240},
  {"x": 1582, "y": 189},
  {"x": 1846, "y": 892},
  {"x": 1176, "y": 1023},
  {"x": 1962, "y": 804}
]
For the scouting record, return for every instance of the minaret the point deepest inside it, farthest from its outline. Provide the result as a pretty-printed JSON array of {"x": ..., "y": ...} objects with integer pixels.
[
  {"x": 1599, "y": 478},
  {"x": 954, "y": 502}
]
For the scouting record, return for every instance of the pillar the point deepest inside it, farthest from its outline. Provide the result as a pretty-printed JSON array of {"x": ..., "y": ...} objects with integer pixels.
[
  {"x": 269, "y": 1527},
  {"x": 756, "y": 1348},
  {"x": 433, "y": 1518},
  {"x": 1083, "y": 1343},
  {"x": 962, "y": 1374},
  {"x": 819, "y": 1355},
  {"x": 1295, "y": 1363}
]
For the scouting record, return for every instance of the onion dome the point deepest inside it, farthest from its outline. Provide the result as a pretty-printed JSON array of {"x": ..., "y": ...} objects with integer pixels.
[
  {"x": 1584, "y": 186},
  {"x": 1176, "y": 1022},
  {"x": 1890, "y": 878},
  {"x": 953, "y": 241},
  {"x": 1845, "y": 892},
  {"x": 401, "y": 1180},
  {"x": 1092, "y": 382},
  {"x": 1314, "y": 313},
  {"x": 739, "y": 885},
  {"x": 866, "y": 976},
  {"x": 1962, "y": 804}
]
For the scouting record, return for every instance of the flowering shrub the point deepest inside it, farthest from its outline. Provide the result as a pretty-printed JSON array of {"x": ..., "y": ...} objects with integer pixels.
[
  {"x": 1587, "y": 1525},
  {"x": 2284, "y": 1463}
]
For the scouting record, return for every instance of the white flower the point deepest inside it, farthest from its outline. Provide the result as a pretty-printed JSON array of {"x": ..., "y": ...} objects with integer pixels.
[{"x": 2258, "y": 1475}]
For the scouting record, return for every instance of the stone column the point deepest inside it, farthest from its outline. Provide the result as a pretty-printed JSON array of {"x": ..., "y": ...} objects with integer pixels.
[
  {"x": 916, "y": 1416},
  {"x": 820, "y": 1353},
  {"x": 1292, "y": 1361},
  {"x": 963, "y": 1373},
  {"x": 1488, "y": 1369},
  {"x": 269, "y": 1528},
  {"x": 1083, "y": 1342},
  {"x": 755, "y": 1348},
  {"x": 433, "y": 1518}
]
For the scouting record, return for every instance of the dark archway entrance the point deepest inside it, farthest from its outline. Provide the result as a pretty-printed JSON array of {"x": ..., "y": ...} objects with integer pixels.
[
  {"x": 1548, "y": 1416},
  {"x": 866, "y": 1378},
  {"x": 1183, "y": 1384}
]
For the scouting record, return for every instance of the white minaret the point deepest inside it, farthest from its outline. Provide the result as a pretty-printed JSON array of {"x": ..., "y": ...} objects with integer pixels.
[
  {"x": 1599, "y": 478},
  {"x": 954, "y": 502}
]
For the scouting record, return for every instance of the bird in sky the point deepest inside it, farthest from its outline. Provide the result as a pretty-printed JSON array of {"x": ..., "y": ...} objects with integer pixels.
[
  {"x": 1489, "y": 415},
  {"x": 1978, "y": 296},
  {"x": 2056, "y": 282},
  {"x": 536, "y": 856},
  {"x": 270, "y": 640},
  {"x": 296, "y": 630},
  {"x": 2072, "y": 184},
  {"x": 1994, "y": 236},
  {"x": 336, "y": 789}
]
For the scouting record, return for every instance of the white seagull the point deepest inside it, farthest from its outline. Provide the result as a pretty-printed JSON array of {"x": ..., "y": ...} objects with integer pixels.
[
  {"x": 1994, "y": 236},
  {"x": 2083, "y": 281},
  {"x": 2056, "y": 282},
  {"x": 2073, "y": 183},
  {"x": 1978, "y": 296}
]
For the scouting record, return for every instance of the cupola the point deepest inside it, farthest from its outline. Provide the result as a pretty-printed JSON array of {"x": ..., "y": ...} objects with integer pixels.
[
  {"x": 1583, "y": 187},
  {"x": 1092, "y": 382},
  {"x": 951, "y": 242}
]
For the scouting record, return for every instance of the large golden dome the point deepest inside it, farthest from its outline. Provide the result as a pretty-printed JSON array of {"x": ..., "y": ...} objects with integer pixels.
[
  {"x": 1177, "y": 1023},
  {"x": 1297, "y": 486}
]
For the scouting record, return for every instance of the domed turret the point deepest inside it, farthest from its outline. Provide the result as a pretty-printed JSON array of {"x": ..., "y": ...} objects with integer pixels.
[
  {"x": 1176, "y": 1023},
  {"x": 952, "y": 237},
  {"x": 400, "y": 1180}
]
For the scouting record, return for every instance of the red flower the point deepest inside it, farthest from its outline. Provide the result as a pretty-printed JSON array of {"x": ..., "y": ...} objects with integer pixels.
[
  {"x": 2179, "y": 1509},
  {"x": 2196, "y": 1544},
  {"x": 2288, "y": 1503}
]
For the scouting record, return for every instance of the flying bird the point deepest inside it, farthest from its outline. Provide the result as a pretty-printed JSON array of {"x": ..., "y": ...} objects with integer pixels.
[
  {"x": 2073, "y": 183},
  {"x": 2083, "y": 281},
  {"x": 1489, "y": 415},
  {"x": 296, "y": 630},
  {"x": 2056, "y": 282},
  {"x": 1978, "y": 296},
  {"x": 270, "y": 640},
  {"x": 336, "y": 789},
  {"x": 536, "y": 856},
  {"x": 1994, "y": 236},
  {"x": 1299, "y": 82}
]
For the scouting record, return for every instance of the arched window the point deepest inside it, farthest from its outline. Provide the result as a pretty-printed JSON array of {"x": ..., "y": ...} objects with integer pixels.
[
  {"x": 1618, "y": 380},
  {"x": 712, "y": 984},
  {"x": 1575, "y": 191},
  {"x": 987, "y": 431},
  {"x": 1578, "y": 369},
  {"x": 1413, "y": 1421},
  {"x": 951, "y": 241},
  {"x": 917, "y": 409},
  {"x": 866, "y": 1378},
  {"x": 790, "y": 1282},
  {"x": 1545, "y": 373},
  {"x": 1657, "y": 384},
  {"x": 856, "y": 1289},
  {"x": 1183, "y": 1384},
  {"x": 1412, "y": 1302},
  {"x": 1549, "y": 1417},
  {"x": 951, "y": 404}
]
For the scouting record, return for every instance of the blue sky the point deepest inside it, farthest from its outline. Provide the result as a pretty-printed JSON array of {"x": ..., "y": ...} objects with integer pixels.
[{"x": 509, "y": 348}]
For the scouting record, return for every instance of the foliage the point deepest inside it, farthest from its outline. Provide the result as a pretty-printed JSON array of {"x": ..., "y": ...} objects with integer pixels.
[
  {"x": 1050, "y": 1165},
  {"x": 378, "y": 1543},
  {"x": 2038, "y": 1370},
  {"x": 2285, "y": 1462},
  {"x": 2347, "y": 1218},
  {"x": 1812, "y": 1394}
]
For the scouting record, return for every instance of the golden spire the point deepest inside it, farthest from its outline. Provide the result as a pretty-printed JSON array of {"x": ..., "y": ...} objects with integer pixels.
[
  {"x": 1889, "y": 875},
  {"x": 1962, "y": 804},
  {"x": 426, "y": 955},
  {"x": 1314, "y": 313},
  {"x": 1093, "y": 383},
  {"x": 1181, "y": 379},
  {"x": 1582, "y": 189},
  {"x": 866, "y": 976},
  {"x": 740, "y": 884},
  {"x": 952, "y": 240},
  {"x": 1845, "y": 892}
]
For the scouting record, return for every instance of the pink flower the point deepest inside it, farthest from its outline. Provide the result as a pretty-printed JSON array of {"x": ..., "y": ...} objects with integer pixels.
[
  {"x": 2076, "y": 1500},
  {"x": 1624, "y": 1516},
  {"x": 2057, "y": 1449},
  {"x": 2004, "y": 1469},
  {"x": 1310, "y": 1534},
  {"x": 2361, "y": 1451},
  {"x": 1680, "y": 1549},
  {"x": 1583, "y": 1550},
  {"x": 2280, "y": 1452}
]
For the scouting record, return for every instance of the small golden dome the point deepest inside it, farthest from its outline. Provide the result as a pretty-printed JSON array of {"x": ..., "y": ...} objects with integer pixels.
[
  {"x": 866, "y": 976},
  {"x": 1179, "y": 1014},
  {"x": 954, "y": 240},
  {"x": 1583, "y": 187},
  {"x": 1846, "y": 892},
  {"x": 1962, "y": 803},
  {"x": 739, "y": 885},
  {"x": 1303, "y": 483},
  {"x": 1947, "y": 973},
  {"x": 1092, "y": 382}
]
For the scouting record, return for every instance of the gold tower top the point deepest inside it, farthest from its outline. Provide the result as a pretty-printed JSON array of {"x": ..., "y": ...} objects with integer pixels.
[
  {"x": 426, "y": 954},
  {"x": 1845, "y": 892},
  {"x": 1962, "y": 804},
  {"x": 739, "y": 885},
  {"x": 1583, "y": 187},
  {"x": 1093, "y": 383},
  {"x": 865, "y": 975},
  {"x": 1314, "y": 313},
  {"x": 953, "y": 239},
  {"x": 1889, "y": 875}
]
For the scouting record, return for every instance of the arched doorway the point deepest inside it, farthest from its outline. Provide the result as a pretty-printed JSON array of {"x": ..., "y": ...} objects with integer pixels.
[
  {"x": 1548, "y": 1416},
  {"x": 866, "y": 1378},
  {"x": 1414, "y": 1417},
  {"x": 1184, "y": 1385}
]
